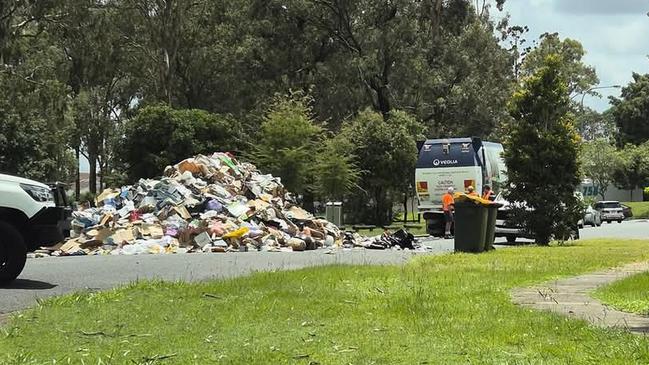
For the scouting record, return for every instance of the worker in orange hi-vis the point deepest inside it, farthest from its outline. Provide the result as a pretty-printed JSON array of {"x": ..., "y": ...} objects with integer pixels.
[
  {"x": 486, "y": 192},
  {"x": 471, "y": 191},
  {"x": 448, "y": 206}
]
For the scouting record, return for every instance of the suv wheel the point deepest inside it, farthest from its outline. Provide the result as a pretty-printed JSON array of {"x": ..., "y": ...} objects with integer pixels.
[
  {"x": 13, "y": 253},
  {"x": 511, "y": 239}
]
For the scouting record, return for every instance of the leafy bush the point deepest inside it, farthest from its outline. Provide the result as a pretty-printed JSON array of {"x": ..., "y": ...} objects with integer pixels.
[
  {"x": 385, "y": 150},
  {"x": 335, "y": 173},
  {"x": 87, "y": 198},
  {"x": 288, "y": 140},
  {"x": 159, "y": 136}
]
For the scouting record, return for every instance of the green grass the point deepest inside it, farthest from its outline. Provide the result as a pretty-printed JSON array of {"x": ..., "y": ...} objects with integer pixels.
[
  {"x": 399, "y": 216},
  {"x": 640, "y": 209},
  {"x": 419, "y": 230},
  {"x": 628, "y": 295},
  {"x": 414, "y": 227},
  {"x": 435, "y": 310}
]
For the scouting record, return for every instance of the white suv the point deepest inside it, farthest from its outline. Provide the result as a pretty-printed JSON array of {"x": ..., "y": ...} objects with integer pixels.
[
  {"x": 610, "y": 211},
  {"x": 32, "y": 215}
]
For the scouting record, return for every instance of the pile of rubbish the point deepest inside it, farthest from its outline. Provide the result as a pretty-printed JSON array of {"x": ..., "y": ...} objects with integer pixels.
[{"x": 202, "y": 204}]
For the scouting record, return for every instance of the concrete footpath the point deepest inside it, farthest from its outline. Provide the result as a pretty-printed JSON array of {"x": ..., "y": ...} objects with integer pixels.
[{"x": 571, "y": 297}]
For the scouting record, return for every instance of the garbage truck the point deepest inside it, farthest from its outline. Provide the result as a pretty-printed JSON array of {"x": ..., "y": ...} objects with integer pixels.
[
  {"x": 457, "y": 163},
  {"x": 32, "y": 215}
]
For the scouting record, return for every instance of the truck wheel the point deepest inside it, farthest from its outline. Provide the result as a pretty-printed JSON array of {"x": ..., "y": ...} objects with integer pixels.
[
  {"x": 435, "y": 227},
  {"x": 574, "y": 234},
  {"x": 13, "y": 253}
]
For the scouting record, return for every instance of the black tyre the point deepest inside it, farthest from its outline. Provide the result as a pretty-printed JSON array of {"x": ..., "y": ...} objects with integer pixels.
[
  {"x": 13, "y": 253},
  {"x": 511, "y": 239},
  {"x": 574, "y": 234},
  {"x": 435, "y": 227},
  {"x": 619, "y": 222}
]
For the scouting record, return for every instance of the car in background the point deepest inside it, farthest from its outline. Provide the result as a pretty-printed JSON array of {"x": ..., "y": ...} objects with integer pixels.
[
  {"x": 628, "y": 213},
  {"x": 610, "y": 211},
  {"x": 592, "y": 217}
]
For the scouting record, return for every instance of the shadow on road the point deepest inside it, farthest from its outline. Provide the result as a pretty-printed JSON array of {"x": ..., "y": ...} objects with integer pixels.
[{"x": 27, "y": 284}]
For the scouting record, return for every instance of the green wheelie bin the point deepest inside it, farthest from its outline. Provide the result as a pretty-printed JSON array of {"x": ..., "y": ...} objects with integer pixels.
[
  {"x": 490, "y": 232},
  {"x": 470, "y": 225}
]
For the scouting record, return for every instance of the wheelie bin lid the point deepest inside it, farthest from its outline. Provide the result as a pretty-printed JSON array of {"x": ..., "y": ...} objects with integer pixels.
[{"x": 464, "y": 198}]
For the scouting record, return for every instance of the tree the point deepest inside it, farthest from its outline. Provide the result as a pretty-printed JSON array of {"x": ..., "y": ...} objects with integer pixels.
[
  {"x": 598, "y": 159},
  {"x": 579, "y": 77},
  {"x": 541, "y": 155},
  {"x": 106, "y": 60},
  {"x": 470, "y": 88},
  {"x": 592, "y": 125},
  {"x": 288, "y": 140},
  {"x": 33, "y": 127},
  {"x": 94, "y": 127},
  {"x": 96, "y": 74},
  {"x": 159, "y": 136},
  {"x": 335, "y": 172},
  {"x": 632, "y": 169},
  {"x": 631, "y": 112},
  {"x": 385, "y": 150},
  {"x": 439, "y": 60}
]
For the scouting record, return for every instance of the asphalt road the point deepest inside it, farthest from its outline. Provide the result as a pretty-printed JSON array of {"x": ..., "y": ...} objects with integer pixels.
[
  {"x": 628, "y": 229},
  {"x": 50, "y": 276},
  {"x": 45, "y": 277}
]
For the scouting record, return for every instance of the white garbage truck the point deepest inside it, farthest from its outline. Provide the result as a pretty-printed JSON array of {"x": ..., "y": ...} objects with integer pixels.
[
  {"x": 457, "y": 163},
  {"x": 32, "y": 215}
]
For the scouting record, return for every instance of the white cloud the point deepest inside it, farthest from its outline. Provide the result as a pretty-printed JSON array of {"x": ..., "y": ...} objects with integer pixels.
[
  {"x": 601, "y": 7},
  {"x": 613, "y": 34}
]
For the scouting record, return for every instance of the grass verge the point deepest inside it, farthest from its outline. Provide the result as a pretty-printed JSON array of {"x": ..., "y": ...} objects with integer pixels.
[
  {"x": 435, "y": 310},
  {"x": 414, "y": 227},
  {"x": 628, "y": 295},
  {"x": 640, "y": 209}
]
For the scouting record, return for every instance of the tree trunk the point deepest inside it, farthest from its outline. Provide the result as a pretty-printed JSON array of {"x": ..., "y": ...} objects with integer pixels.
[
  {"x": 378, "y": 211},
  {"x": 405, "y": 208},
  {"x": 383, "y": 100},
  {"x": 92, "y": 160},
  {"x": 77, "y": 181},
  {"x": 92, "y": 179},
  {"x": 102, "y": 172}
]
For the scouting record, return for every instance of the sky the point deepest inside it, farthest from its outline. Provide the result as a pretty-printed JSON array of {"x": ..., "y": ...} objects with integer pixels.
[{"x": 614, "y": 33}]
